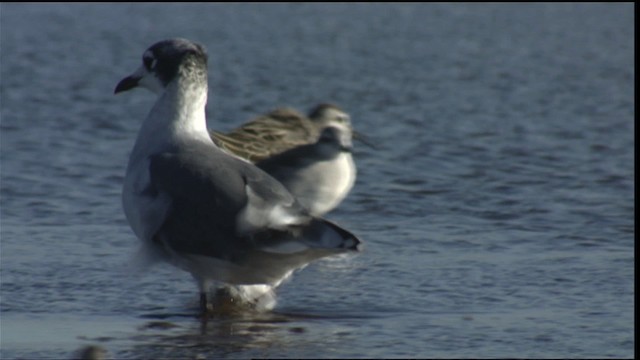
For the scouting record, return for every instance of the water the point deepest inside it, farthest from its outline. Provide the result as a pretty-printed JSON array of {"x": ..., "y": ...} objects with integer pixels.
[{"x": 498, "y": 210}]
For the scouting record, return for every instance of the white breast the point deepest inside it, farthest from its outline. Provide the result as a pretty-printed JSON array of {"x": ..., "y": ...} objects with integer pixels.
[{"x": 321, "y": 186}]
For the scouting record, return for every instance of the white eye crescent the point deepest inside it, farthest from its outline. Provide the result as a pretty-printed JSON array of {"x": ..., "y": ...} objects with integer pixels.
[{"x": 149, "y": 60}]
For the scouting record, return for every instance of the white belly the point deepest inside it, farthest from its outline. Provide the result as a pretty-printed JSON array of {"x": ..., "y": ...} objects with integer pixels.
[{"x": 323, "y": 185}]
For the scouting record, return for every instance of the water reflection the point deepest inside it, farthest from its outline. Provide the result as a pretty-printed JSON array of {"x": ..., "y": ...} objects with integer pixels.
[{"x": 235, "y": 330}]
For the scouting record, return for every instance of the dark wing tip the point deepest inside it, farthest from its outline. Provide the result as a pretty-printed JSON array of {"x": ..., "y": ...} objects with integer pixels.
[
  {"x": 349, "y": 240},
  {"x": 354, "y": 244}
]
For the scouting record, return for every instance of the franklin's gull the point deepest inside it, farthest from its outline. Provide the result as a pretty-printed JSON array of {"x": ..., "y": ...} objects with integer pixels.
[{"x": 197, "y": 207}]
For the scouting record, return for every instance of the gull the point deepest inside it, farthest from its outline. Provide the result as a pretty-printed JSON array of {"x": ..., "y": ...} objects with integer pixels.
[
  {"x": 319, "y": 175},
  {"x": 283, "y": 129},
  {"x": 202, "y": 210}
]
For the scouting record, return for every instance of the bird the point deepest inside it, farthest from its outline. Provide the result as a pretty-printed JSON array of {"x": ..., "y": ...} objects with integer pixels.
[
  {"x": 193, "y": 205},
  {"x": 282, "y": 129},
  {"x": 319, "y": 175}
]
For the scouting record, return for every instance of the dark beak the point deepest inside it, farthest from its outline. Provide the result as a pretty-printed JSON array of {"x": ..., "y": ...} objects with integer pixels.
[
  {"x": 363, "y": 139},
  {"x": 127, "y": 83}
]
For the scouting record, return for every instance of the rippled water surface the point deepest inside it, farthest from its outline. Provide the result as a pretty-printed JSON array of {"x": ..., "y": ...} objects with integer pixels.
[{"x": 497, "y": 210}]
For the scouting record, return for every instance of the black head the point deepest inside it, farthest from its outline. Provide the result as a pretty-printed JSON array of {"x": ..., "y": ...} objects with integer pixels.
[{"x": 166, "y": 60}]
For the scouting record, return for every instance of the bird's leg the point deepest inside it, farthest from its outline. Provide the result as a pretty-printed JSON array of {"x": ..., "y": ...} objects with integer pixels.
[
  {"x": 204, "y": 315},
  {"x": 206, "y": 308},
  {"x": 203, "y": 303}
]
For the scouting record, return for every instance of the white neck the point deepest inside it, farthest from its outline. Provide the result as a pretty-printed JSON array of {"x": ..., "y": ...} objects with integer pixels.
[{"x": 178, "y": 114}]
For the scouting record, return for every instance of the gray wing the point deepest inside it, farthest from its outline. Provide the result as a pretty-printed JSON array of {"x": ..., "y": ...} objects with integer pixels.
[
  {"x": 291, "y": 160},
  {"x": 217, "y": 200}
]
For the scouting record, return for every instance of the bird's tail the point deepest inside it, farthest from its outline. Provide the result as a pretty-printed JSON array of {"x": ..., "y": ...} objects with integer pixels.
[{"x": 322, "y": 233}]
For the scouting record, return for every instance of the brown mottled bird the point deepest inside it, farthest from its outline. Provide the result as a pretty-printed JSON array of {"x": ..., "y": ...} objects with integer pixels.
[{"x": 280, "y": 130}]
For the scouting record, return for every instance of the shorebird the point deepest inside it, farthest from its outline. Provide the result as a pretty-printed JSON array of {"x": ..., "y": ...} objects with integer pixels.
[
  {"x": 282, "y": 129},
  {"x": 285, "y": 130},
  {"x": 207, "y": 212},
  {"x": 319, "y": 175}
]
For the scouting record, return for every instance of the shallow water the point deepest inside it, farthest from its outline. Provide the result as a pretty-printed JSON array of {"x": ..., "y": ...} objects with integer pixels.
[{"x": 497, "y": 211}]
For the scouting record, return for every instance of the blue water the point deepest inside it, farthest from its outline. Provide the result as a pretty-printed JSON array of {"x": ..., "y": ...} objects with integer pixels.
[{"x": 497, "y": 211}]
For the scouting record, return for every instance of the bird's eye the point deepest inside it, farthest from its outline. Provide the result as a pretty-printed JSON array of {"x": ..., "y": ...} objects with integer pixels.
[
  {"x": 149, "y": 62},
  {"x": 343, "y": 118}
]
